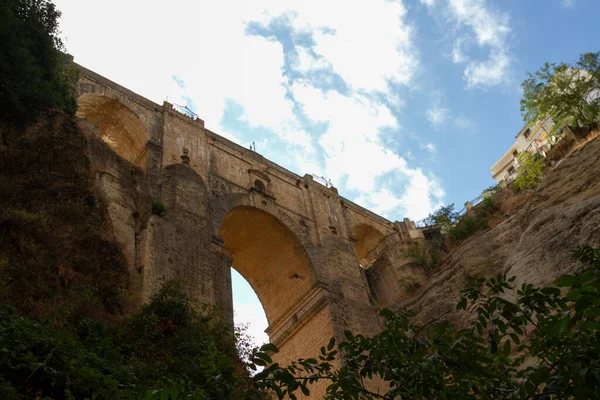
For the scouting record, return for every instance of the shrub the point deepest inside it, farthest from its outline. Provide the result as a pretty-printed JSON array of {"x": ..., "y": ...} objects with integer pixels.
[
  {"x": 35, "y": 73},
  {"x": 445, "y": 217},
  {"x": 159, "y": 208},
  {"x": 491, "y": 190},
  {"x": 409, "y": 283},
  {"x": 531, "y": 170},
  {"x": 170, "y": 347},
  {"x": 467, "y": 226},
  {"x": 554, "y": 330},
  {"x": 426, "y": 254}
]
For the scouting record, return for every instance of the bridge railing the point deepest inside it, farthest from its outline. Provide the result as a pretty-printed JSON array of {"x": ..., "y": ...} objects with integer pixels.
[{"x": 185, "y": 111}]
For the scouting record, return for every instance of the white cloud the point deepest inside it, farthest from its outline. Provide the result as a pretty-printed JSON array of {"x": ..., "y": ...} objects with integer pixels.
[
  {"x": 491, "y": 30},
  {"x": 354, "y": 150},
  {"x": 568, "y": 3},
  {"x": 222, "y": 64},
  {"x": 437, "y": 116},
  {"x": 440, "y": 117},
  {"x": 421, "y": 196},
  {"x": 476, "y": 24},
  {"x": 368, "y": 43}
]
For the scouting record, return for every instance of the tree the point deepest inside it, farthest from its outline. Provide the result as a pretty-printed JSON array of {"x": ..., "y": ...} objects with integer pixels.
[
  {"x": 530, "y": 171},
  {"x": 34, "y": 72},
  {"x": 445, "y": 217},
  {"x": 569, "y": 94},
  {"x": 555, "y": 330}
]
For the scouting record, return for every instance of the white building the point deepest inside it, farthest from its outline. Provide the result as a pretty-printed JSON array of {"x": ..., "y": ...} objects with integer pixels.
[{"x": 534, "y": 140}]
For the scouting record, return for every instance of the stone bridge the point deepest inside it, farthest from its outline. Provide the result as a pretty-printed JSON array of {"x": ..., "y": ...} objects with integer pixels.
[{"x": 299, "y": 244}]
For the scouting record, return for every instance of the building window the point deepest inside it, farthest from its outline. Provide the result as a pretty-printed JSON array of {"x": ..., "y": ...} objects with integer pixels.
[
  {"x": 259, "y": 186},
  {"x": 515, "y": 153},
  {"x": 527, "y": 133},
  {"x": 512, "y": 170}
]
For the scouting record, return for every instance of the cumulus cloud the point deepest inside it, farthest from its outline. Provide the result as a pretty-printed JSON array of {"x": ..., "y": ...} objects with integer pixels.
[
  {"x": 490, "y": 30},
  {"x": 367, "y": 55},
  {"x": 478, "y": 25},
  {"x": 354, "y": 152},
  {"x": 221, "y": 62}
]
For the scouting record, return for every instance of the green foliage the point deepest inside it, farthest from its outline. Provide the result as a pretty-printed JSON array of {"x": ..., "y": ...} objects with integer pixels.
[
  {"x": 569, "y": 94},
  {"x": 456, "y": 227},
  {"x": 159, "y": 208},
  {"x": 467, "y": 226},
  {"x": 445, "y": 218},
  {"x": 35, "y": 73},
  {"x": 424, "y": 254},
  {"x": 417, "y": 253},
  {"x": 531, "y": 170},
  {"x": 171, "y": 348},
  {"x": 556, "y": 334},
  {"x": 409, "y": 283},
  {"x": 491, "y": 190}
]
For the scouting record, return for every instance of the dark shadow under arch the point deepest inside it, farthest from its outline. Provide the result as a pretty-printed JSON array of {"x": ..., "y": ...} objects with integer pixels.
[{"x": 366, "y": 240}]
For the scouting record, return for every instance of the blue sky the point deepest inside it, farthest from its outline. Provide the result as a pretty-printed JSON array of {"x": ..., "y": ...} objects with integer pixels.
[{"x": 404, "y": 104}]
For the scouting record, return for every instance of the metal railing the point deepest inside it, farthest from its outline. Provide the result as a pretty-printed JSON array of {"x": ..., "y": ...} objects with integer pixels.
[
  {"x": 323, "y": 181},
  {"x": 185, "y": 111}
]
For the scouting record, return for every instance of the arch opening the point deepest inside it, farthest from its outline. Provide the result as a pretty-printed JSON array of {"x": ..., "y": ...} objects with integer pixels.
[
  {"x": 118, "y": 126},
  {"x": 248, "y": 311},
  {"x": 259, "y": 186},
  {"x": 270, "y": 257},
  {"x": 367, "y": 240}
]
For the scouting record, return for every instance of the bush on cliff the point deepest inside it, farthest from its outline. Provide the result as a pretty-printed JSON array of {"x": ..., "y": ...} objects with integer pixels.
[
  {"x": 34, "y": 72},
  {"x": 531, "y": 170},
  {"x": 554, "y": 330},
  {"x": 170, "y": 348}
]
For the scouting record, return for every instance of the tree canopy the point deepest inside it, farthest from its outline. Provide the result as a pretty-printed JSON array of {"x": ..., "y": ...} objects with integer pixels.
[
  {"x": 544, "y": 345},
  {"x": 569, "y": 94},
  {"x": 34, "y": 72}
]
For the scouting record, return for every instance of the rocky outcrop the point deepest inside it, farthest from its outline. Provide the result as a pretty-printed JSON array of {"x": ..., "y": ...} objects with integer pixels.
[{"x": 534, "y": 244}]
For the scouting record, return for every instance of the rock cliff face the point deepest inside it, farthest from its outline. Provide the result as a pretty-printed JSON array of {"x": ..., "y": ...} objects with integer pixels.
[
  {"x": 534, "y": 244},
  {"x": 58, "y": 244}
]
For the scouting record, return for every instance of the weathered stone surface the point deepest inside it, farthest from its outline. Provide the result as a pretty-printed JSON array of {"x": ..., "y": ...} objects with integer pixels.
[
  {"x": 298, "y": 243},
  {"x": 534, "y": 244}
]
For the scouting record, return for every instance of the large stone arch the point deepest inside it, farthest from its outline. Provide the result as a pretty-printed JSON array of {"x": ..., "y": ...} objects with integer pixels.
[
  {"x": 366, "y": 239},
  {"x": 270, "y": 257},
  {"x": 224, "y": 203},
  {"x": 117, "y": 125},
  {"x": 264, "y": 249}
]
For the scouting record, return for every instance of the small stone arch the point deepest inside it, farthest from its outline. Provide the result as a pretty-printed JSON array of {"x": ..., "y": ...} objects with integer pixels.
[
  {"x": 366, "y": 240},
  {"x": 117, "y": 125}
]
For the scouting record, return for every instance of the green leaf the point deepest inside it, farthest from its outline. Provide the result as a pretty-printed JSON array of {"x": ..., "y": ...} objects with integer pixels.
[
  {"x": 386, "y": 312},
  {"x": 269, "y": 347},
  {"x": 331, "y": 344},
  {"x": 507, "y": 347},
  {"x": 305, "y": 390},
  {"x": 573, "y": 294},
  {"x": 515, "y": 338}
]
